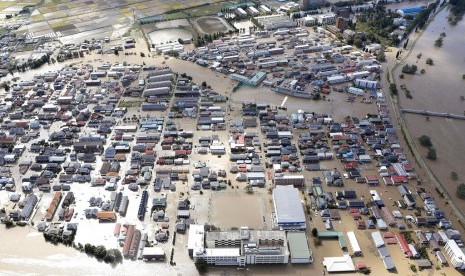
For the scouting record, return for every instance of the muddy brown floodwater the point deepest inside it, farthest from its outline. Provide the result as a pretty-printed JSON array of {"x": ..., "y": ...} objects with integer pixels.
[{"x": 440, "y": 89}]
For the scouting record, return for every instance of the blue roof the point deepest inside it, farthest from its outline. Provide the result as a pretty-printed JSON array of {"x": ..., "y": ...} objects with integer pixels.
[{"x": 413, "y": 10}]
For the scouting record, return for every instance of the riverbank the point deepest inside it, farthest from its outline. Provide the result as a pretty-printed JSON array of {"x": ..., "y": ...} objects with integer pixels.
[{"x": 440, "y": 90}]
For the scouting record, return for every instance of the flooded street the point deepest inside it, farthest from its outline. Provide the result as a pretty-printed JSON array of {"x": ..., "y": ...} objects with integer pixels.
[{"x": 440, "y": 89}]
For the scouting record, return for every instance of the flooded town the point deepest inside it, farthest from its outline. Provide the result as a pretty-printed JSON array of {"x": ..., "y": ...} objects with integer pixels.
[{"x": 231, "y": 138}]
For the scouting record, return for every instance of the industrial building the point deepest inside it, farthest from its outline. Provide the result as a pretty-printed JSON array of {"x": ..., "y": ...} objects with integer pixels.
[
  {"x": 455, "y": 253},
  {"x": 276, "y": 21},
  {"x": 239, "y": 247},
  {"x": 288, "y": 210},
  {"x": 295, "y": 180},
  {"x": 298, "y": 247}
]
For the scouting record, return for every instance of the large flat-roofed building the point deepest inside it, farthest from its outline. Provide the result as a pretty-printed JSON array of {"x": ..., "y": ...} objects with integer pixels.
[
  {"x": 244, "y": 246},
  {"x": 289, "y": 213},
  {"x": 195, "y": 242},
  {"x": 276, "y": 21},
  {"x": 456, "y": 254},
  {"x": 298, "y": 248},
  {"x": 296, "y": 180}
]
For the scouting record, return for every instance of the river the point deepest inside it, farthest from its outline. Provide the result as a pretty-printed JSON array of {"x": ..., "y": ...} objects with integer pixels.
[{"x": 440, "y": 89}]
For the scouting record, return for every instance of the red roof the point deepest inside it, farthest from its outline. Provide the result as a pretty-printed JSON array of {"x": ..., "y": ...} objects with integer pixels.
[
  {"x": 399, "y": 179},
  {"x": 391, "y": 241},
  {"x": 388, "y": 235},
  {"x": 403, "y": 244}
]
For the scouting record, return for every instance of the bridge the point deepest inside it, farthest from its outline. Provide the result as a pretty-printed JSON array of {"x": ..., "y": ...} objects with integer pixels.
[{"x": 433, "y": 114}]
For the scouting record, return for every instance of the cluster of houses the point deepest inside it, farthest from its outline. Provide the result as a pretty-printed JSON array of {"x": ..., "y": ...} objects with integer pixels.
[{"x": 292, "y": 61}]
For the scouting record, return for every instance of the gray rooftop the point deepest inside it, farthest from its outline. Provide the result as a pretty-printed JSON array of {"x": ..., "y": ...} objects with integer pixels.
[
  {"x": 298, "y": 245},
  {"x": 288, "y": 206}
]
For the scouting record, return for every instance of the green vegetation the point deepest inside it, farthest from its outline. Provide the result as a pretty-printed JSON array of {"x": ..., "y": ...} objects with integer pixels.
[
  {"x": 315, "y": 232},
  {"x": 407, "y": 91},
  {"x": 393, "y": 88},
  {"x": 381, "y": 57},
  {"x": 201, "y": 265},
  {"x": 5, "y": 85},
  {"x": 457, "y": 11},
  {"x": 413, "y": 268},
  {"x": 438, "y": 42},
  {"x": 409, "y": 69},
  {"x": 56, "y": 239},
  {"x": 408, "y": 236},
  {"x": 431, "y": 155},
  {"x": 365, "y": 271},
  {"x": 377, "y": 24},
  {"x": 460, "y": 191},
  {"x": 454, "y": 175},
  {"x": 420, "y": 19},
  {"x": 101, "y": 253},
  {"x": 423, "y": 252},
  {"x": 8, "y": 223},
  {"x": 429, "y": 61},
  {"x": 422, "y": 71},
  {"x": 425, "y": 141}
]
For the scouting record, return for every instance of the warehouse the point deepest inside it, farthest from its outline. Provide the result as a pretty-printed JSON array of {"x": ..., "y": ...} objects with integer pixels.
[
  {"x": 289, "y": 213},
  {"x": 153, "y": 253},
  {"x": 28, "y": 208},
  {"x": 339, "y": 264},
  {"x": 354, "y": 243},
  {"x": 295, "y": 180},
  {"x": 298, "y": 247},
  {"x": 377, "y": 239}
]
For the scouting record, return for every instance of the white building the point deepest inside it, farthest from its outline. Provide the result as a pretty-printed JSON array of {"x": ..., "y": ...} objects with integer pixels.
[
  {"x": 276, "y": 21},
  {"x": 339, "y": 264},
  {"x": 326, "y": 19},
  {"x": 354, "y": 243},
  {"x": 455, "y": 253},
  {"x": 244, "y": 246},
  {"x": 295, "y": 180},
  {"x": 195, "y": 242},
  {"x": 288, "y": 209}
]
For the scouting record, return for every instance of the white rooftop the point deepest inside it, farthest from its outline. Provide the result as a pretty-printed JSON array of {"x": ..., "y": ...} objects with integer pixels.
[
  {"x": 222, "y": 252},
  {"x": 339, "y": 264},
  {"x": 196, "y": 237}
]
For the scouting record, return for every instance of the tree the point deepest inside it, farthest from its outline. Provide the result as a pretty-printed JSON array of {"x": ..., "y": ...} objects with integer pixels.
[
  {"x": 358, "y": 42},
  {"x": 429, "y": 61},
  {"x": 100, "y": 252},
  {"x": 460, "y": 191},
  {"x": 431, "y": 154},
  {"x": 425, "y": 141},
  {"x": 381, "y": 57},
  {"x": 454, "y": 175},
  {"x": 393, "y": 88},
  {"x": 409, "y": 69},
  {"x": 89, "y": 249},
  {"x": 315, "y": 232},
  {"x": 201, "y": 265}
]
